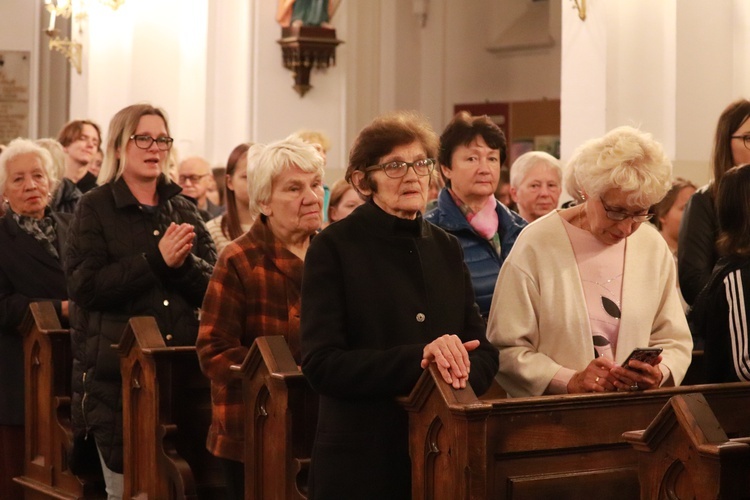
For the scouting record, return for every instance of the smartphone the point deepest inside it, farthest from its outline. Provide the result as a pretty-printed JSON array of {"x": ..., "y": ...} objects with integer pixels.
[{"x": 645, "y": 354}]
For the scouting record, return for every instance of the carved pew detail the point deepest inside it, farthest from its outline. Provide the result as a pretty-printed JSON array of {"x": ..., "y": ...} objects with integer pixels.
[
  {"x": 685, "y": 453},
  {"x": 281, "y": 411},
  {"x": 47, "y": 370},
  {"x": 166, "y": 411},
  {"x": 540, "y": 447}
]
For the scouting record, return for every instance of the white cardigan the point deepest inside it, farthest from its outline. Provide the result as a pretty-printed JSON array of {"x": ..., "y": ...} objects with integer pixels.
[{"x": 539, "y": 321}]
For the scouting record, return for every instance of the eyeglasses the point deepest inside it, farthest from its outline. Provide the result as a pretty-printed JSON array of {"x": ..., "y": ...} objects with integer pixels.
[
  {"x": 145, "y": 142},
  {"x": 397, "y": 169},
  {"x": 195, "y": 178},
  {"x": 621, "y": 216},
  {"x": 745, "y": 139}
]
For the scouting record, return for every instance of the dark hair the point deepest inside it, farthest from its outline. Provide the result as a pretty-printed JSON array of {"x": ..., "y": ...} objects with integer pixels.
[
  {"x": 665, "y": 205},
  {"x": 230, "y": 223},
  {"x": 338, "y": 190},
  {"x": 219, "y": 174},
  {"x": 383, "y": 135},
  {"x": 72, "y": 130},
  {"x": 461, "y": 130},
  {"x": 730, "y": 120},
  {"x": 733, "y": 212}
]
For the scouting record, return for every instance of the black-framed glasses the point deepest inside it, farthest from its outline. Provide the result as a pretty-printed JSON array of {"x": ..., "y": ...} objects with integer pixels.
[
  {"x": 195, "y": 178},
  {"x": 618, "y": 216},
  {"x": 745, "y": 139},
  {"x": 397, "y": 169},
  {"x": 145, "y": 142}
]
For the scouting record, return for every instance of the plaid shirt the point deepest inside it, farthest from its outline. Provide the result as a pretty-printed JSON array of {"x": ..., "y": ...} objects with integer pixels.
[{"x": 254, "y": 291}]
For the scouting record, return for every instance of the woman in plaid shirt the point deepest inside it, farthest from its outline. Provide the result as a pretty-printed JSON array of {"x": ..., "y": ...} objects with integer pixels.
[{"x": 255, "y": 287}]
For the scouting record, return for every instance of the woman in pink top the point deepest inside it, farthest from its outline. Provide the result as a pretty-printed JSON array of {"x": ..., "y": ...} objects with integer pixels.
[{"x": 585, "y": 286}]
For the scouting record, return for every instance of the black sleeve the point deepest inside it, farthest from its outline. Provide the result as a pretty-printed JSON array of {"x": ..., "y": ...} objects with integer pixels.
[{"x": 696, "y": 251}]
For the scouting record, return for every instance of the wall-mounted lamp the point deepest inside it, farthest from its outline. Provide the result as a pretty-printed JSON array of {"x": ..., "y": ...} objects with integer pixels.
[
  {"x": 580, "y": 6},
  {"x": 304, "y": 48},
  {"x": 67, "y": 9}
]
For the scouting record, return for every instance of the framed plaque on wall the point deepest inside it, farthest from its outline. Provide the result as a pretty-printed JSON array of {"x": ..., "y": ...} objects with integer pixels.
[{"x": 15, "y": 106}]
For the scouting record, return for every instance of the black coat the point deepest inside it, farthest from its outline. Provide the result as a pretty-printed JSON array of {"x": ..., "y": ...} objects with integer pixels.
[
  {"x": 696, "y": 250},
  {"x": 27, "y": 273},
  {"x": 376, "y": 290},
  {"x": 115, "y": 271}
]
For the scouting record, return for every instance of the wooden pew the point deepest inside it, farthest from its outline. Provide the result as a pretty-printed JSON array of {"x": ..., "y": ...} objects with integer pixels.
[
  {"x": 567, "y": 446},
  {"x": 166, "y": 413},
  {"x": 685, "y": 453},
  {"x": 282, "y": 412},
  {"x": 47, "y": 364}
]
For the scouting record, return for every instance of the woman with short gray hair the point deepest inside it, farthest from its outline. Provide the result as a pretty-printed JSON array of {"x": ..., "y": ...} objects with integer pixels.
[
  {"x": 535, "y": 184},
  {"x": 585, "y": 286},
  {"x": 255, "y": 288},
  {"x": 32, "y": 238}
]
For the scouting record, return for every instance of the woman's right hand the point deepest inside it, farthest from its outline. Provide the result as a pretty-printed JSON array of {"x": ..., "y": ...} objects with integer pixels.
[
  {"x": 595, "y": 377},
  {"x": 451, "y": 356},
  {"x": 176, "y": 244}
]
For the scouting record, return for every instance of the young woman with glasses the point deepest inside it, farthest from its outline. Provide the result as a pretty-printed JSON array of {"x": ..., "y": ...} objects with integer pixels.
[
  {"x": 585, "y": 286},
  {"x": 137, "y": 247},
  {"x": 697, "y": 252}
]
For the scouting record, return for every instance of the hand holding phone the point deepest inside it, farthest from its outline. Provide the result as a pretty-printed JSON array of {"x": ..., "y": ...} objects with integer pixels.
[{"x": 645, "y": 354}]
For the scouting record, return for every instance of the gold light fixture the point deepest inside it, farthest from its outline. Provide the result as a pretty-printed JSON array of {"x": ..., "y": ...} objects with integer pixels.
[
  {"x": 70, "y": 8},
  {"x": 580, "y": 6}
]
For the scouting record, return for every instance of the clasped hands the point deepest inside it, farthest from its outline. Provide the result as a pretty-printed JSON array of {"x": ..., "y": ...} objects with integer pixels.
[
  {"x": 603, "y": 375},
  {"x": 451, "y": 356},
  {"x": 176, "y": 244}
]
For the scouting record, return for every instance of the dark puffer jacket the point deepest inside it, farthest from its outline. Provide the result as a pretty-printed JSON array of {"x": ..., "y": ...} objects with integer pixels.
[
  {"x": 115, "y": 271},
  {"x": 482, "y": 260}
]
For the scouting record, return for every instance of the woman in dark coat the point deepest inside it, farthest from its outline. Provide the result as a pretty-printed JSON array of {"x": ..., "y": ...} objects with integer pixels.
[
  {"x": 31, "y": 241},
  {"x": 136, "y": 248},
  {"x": 384, "y": 294}
]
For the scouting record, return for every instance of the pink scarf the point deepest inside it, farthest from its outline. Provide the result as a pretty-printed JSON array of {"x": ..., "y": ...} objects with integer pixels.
[{"x": 485, "y": 221}]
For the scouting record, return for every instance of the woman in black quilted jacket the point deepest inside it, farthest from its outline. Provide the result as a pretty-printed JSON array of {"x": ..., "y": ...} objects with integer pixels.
[{"x": 136, "y": 247}]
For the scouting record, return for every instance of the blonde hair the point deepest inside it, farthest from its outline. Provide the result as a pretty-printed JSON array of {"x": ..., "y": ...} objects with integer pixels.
[
  {"x": 625, "y": 159},
  {"x": 121, "y": 127},
  {"x": 313, "y": 137},
  {"x": 18, "y": 147}
]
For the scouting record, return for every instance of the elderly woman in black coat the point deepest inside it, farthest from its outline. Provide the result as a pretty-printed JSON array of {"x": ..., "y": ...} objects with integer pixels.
[
  {"x": 137, "y": 247},
  {"x": 31, "y": 242},
  {"x": 384, "y": 294}
]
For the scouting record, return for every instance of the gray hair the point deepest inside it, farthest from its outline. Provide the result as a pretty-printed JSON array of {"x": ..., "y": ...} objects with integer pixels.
[
  {"x": 18, "y": 147},
  {"x": 625, "y": 159},
  {"x": 527, "y": 161},
  {"x": 274, "y": 159}
]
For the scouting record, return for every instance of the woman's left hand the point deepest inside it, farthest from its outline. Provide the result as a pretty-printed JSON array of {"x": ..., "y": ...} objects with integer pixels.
[
  {"x": 637, "y": 376},
  {"x": 451, "y": 356}
]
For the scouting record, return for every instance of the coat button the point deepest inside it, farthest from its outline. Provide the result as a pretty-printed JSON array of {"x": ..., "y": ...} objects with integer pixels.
[
  {"x": 156, "y": 232},
  {"x": 420, "y": 317},
  {"x": 169, "y": 336},
  {"x": 166, "y": 302}
]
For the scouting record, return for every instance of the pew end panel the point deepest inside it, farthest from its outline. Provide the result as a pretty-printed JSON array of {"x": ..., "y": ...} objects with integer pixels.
[
  {"x": 282, "y": 412},
  {"x": 446, "y": 429},
  {"x": 48, "y": 435},
  {"x": 685, "y": 453},
  {"x": 166, "y": 414}
]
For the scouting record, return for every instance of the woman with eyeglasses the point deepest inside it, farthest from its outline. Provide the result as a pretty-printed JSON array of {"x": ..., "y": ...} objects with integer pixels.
[
  {"x": 472, "y": 150},
  {"x": 696, "y": 252},
  {"x": 585, "y": 286},
  {"x": 384, "y": 295},
  {"x": 137, "y": 248}
]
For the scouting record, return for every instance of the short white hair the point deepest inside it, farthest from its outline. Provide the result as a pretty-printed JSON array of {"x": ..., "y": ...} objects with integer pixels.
[
  {"x": 531, "y": 159},
  {"x": 274, "y": 159},
  {"x": 18, "y": 147},
  {"x": 58, "y": 157},
  {"x": 625, "y": 159}
]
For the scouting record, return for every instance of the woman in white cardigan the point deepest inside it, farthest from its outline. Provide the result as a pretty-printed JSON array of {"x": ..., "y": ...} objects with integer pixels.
[{"x": 584, "y": 286}]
